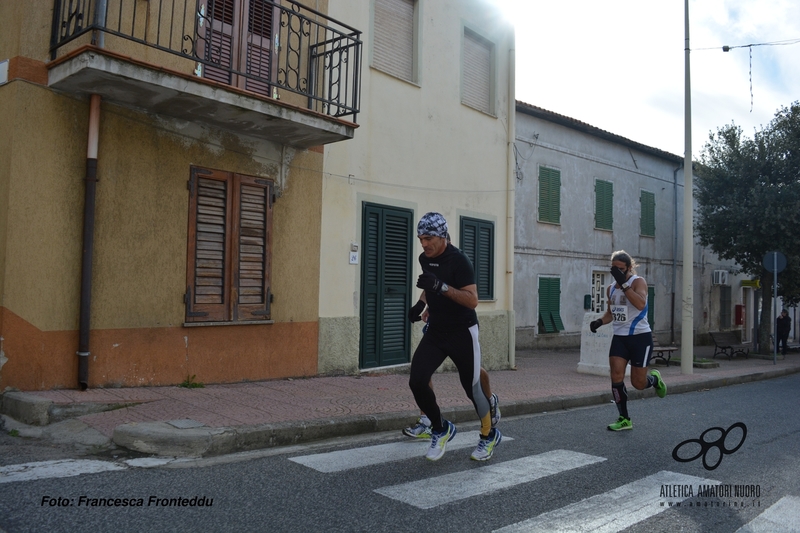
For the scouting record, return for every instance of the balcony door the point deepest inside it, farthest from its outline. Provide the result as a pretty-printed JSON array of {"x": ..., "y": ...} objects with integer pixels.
[{"x": 239, "y": 36}]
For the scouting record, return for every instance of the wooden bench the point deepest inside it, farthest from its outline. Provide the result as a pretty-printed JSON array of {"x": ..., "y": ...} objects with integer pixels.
[
  {"x": 726, "y": 343},
  {"x": 662, "y": 352}
]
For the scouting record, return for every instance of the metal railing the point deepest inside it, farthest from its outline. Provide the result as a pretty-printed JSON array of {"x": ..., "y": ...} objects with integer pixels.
[{"x": 262, "y": 46}]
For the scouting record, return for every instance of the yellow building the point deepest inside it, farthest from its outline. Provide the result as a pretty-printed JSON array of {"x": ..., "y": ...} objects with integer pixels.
[{"x": 161, "y": 188}]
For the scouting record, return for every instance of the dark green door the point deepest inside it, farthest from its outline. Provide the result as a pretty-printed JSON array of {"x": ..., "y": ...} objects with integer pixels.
[{"x": 385, "y": 286}]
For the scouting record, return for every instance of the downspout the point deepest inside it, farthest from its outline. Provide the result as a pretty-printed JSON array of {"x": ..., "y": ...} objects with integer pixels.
[
  {"x": 88, "y": 241},
  {"x": 674, "y": 250},
  {"x": 510, "y": 195}
]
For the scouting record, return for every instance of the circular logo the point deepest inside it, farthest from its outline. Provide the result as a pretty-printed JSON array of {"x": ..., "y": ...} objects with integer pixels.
[{"x": 707, "y": 445}]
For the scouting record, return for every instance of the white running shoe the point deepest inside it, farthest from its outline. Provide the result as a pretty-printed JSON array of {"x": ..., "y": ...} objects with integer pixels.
[
  {"x": 439, "y": 441},
  {"x": 420, "y": 430},
  {"x": 486, "y": 446}
]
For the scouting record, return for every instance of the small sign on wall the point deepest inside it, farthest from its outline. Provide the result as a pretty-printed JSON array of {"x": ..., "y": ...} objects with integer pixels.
[{"x": 353, "y": 258}]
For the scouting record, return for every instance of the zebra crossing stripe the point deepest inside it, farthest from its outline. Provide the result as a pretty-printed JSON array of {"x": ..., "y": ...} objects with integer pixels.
[
  {"x": 52, "y": 469},
  {"x": 611, "y": 511},
  {"x": 382, "y": 453},
  {"x": 782, "y": 517},
  {"x": 438, "y": 490}
]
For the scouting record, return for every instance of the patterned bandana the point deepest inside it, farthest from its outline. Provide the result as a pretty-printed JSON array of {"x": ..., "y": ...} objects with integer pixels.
[{"x": 432, "y": 224}]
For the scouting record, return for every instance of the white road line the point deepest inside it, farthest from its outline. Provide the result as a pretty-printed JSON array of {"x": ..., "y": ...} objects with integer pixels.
[
  {"x": 782, "y": 517},
  {"x": 52, "y": 469},
  {"x": 438, "y": 490},
  {"x": 610, "y": 511},
  {"x": 382, "y": 453}
]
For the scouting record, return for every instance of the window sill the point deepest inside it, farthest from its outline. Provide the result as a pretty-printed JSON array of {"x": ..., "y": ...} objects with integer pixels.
[{"x": 243, "y": 323}]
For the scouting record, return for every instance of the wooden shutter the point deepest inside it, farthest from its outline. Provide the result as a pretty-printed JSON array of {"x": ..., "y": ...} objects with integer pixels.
[
  {"x": 396, "y": 269},
  {"x": 604, "y": 201},
  {"x": 550, "y": 305},
  {"x": 648, "y": 216},
  {"x": 218, "y": 44},
  {"x": 252, "y": 231},
  {"x": 369, "y": 287},
  {"x": 477, "y": 73},
  {"x": 208, "y": 294},
  {"x": 393, "y": 41},
  {"x": 258, "y": 43},
  {"x": 477, "y": 243},
  {"x": 229, "y": 248},
  {"x": 549, "y": 195}
]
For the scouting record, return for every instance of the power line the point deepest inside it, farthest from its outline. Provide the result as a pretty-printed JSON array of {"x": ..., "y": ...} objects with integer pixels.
[{"x": 727, "y": 48}]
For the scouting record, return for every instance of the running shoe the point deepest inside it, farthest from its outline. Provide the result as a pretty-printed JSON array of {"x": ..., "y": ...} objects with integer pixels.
[
  {"x": 486, "y": 446},
  {"x": 439, "y": 441},
  {"x": 494, "y": 410},
  {"x": 420, "y": 430},
  {"x": 620, "y": 424},
  {"x": 660, "y": 386}
]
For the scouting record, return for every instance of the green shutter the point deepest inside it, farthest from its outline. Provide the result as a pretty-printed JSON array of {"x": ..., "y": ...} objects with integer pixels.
[
  {"x": 549, "y": 195},
  {"x": 385, "y": 286},
  {"x": 648, "y": 217},
  {"x": 603, "y": 202},
  {"x": 651, "y": 303},
  {"x": 477, "y": 243},
  {"x": 550, "y": 305}
]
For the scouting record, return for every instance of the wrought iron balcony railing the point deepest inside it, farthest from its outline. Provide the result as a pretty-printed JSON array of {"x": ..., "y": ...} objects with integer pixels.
[{"x": 279, "y": 49}]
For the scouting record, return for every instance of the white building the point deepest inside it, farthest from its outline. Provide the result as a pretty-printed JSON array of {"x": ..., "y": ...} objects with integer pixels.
[
  {"x": 583, "y": 193},
  {"x": 435, "y": 134}
]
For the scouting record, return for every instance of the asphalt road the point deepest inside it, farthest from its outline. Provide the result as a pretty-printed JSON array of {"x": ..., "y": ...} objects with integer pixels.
[{"x": 552, "y": 469}]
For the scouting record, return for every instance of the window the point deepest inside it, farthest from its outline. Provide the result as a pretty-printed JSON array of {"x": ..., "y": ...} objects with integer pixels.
[
  {"x": 229, "y": 248},
  {"x": 724, "y": 307},
  {"x": 599, "y": 291},
  {"x": 648, "y": 216},
  {"x": 477, "y": 73},
  {"x": 550, "y": 305},
  {"x": 549, "y": 195},
  {"x": 477, "y": 242},
  {"x": 651, "y": 304},
  {"x": 238, "y": 36},
  {"x": 603, "y": 201},
  {"x": 394, "y": 38}
]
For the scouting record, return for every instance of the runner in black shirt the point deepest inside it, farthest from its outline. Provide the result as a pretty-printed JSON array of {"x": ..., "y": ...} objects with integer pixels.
[{"x": 452, "y": 296}]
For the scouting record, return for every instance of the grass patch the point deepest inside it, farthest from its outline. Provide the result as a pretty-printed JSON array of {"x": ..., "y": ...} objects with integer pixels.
[{"x": 190, "y": 383}]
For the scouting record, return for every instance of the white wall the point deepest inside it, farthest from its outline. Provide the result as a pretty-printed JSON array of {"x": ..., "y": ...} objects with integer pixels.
[{"x": 417, "y": 146}]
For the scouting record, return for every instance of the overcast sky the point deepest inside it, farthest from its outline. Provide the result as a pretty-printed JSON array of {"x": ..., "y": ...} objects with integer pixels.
[{"x": 619, "y": 65}]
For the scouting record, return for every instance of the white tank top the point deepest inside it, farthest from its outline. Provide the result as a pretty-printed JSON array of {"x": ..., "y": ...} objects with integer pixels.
[{"x": 627, "y": 319}]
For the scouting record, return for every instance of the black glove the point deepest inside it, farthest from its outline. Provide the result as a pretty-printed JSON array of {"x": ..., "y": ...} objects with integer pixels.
[
  {"x": 619, "y": 275},
  {"x": 594, "y": 324},
  {"x": 429, "y": 282},
  {"x": 415, "y": 313}
]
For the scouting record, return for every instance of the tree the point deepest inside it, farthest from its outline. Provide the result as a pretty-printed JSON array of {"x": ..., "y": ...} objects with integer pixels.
[{"x": 748, "y": 195}]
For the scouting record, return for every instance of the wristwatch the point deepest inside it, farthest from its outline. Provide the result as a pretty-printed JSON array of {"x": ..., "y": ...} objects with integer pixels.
[
  {"x": 626, "y": 286},
  {"x": 444, "y": 288}
]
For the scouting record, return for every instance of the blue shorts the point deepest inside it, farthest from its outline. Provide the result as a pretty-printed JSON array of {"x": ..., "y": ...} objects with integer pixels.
[{"x": 636, "y": 349}]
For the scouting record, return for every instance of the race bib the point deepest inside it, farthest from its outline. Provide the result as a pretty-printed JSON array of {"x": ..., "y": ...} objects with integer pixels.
[{"x": 620, "y": 313}]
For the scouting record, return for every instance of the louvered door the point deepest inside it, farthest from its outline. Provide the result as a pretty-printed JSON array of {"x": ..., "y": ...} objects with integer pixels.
[
  {"x": 238, "y": 35},
  {"x": 385, "y": 286}
]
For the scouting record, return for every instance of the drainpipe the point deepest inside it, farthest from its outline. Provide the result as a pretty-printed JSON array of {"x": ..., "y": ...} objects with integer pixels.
[
  {"x": 511, "y": 189},
  {"x": 674, "y": 250},
  {"x": 88, "y": 241}
]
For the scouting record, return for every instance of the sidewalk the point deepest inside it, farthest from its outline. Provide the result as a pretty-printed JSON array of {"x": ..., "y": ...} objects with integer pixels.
[{"x": 219, "y": 419}]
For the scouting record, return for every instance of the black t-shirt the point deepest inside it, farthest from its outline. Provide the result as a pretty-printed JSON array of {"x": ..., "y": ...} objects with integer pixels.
[{"x": 455, "y": 269}]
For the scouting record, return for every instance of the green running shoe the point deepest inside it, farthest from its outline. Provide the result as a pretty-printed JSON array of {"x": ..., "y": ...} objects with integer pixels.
[
  {"x": 660, "y": 386},
  {"x": 620, "y": 424}
]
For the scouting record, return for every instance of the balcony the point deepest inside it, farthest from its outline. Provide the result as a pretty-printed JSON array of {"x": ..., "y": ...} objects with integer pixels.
[{"x": 274, "y": 70}]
